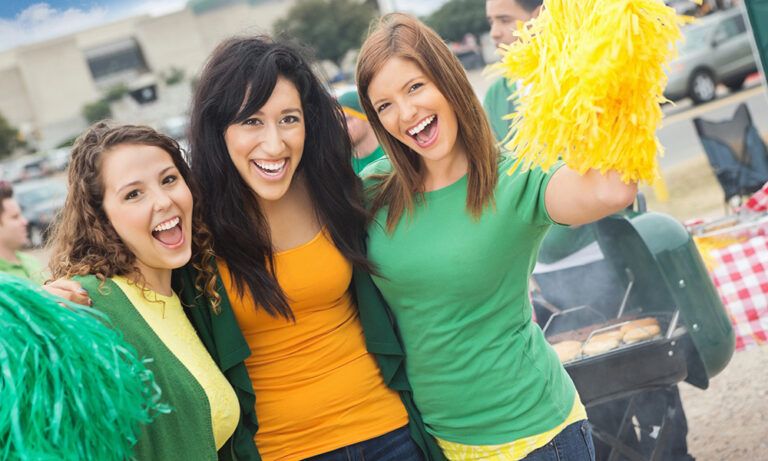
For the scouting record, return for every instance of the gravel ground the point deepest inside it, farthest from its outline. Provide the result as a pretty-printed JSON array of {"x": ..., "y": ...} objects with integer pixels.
[{"x": 729, "y": 421}]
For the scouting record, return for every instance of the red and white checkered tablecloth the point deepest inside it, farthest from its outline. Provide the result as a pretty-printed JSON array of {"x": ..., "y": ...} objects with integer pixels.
[
  {"x": 740, "y": 274},
  {"x": 759, "y": 200}
]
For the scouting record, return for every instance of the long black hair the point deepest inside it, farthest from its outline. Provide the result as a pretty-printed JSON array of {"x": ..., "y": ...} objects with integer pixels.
[{"x": 236, "y": 82}]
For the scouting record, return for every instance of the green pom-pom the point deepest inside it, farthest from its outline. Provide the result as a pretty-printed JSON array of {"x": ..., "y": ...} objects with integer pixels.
[{"x": 70, "y": 387}]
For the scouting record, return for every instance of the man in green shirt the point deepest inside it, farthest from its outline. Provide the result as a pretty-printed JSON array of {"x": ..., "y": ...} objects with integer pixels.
[
  {"x": 503, "y": 17},
  {"x": 366, "y": 146},
  {"x": 13, "y": 237}
]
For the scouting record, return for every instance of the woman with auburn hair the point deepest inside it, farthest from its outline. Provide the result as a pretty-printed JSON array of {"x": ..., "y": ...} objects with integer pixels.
[
  {"x": 128, "y": 221},
  {"x": 269, "y": 149},
  {"x": 454, "y": 238}
]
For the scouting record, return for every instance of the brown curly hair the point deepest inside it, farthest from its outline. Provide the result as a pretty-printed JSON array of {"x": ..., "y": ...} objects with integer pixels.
[{"x": 83, "y": 240}]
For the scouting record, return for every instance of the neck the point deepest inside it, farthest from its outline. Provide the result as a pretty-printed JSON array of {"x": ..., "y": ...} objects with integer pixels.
[
  {"x": 445, "y": 171},
  {"x": 8, "y": 254},
  {"x": 157, "y": 280},
  {"x": 367, "y": 145}
]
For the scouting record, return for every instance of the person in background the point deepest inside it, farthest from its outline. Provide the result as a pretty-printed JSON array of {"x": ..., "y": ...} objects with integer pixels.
[
  {"x": 366, "y": 146},
  {"x": 13, "y": 237},
  {"x": 504, "y": 17}
]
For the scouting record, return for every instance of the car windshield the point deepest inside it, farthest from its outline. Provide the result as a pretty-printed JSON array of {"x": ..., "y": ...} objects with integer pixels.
[{"x": 696, "y": 38}]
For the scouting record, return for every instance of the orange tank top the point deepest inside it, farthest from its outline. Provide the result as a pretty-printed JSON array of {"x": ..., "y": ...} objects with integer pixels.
[{"x": 317, "y": 387}]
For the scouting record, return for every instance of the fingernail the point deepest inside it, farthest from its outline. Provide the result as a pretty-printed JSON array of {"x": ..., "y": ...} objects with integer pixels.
[
  {"x": 90, "y": 302},
  {"x": 82, "y": 292}
]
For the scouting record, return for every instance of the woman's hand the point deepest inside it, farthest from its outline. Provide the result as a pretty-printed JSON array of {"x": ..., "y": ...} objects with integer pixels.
[{"x": 69, "y": 290}]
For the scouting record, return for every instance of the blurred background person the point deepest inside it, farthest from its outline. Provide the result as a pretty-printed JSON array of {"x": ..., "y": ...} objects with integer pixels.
[
  {"x": 504, "y": 17},
  {"x": 13, "y": 237},
  {"x": 364, "y": 143}
]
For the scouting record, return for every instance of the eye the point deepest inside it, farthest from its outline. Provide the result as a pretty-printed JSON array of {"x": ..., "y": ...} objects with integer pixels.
[
  {"x": 381, "y": 107},
  {"x": 132, "y": 195},
  {"x": 290, "y": 119},
  {"x": 170, "y": 179},
  {"x": 415, "y": 87},
  {"x": 252, "y": 122}
]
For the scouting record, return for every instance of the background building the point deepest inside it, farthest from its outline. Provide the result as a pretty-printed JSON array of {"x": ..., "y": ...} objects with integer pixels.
[{"x": 152, "y": 60}]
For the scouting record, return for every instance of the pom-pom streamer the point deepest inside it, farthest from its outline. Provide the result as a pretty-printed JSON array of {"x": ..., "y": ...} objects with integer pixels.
[
  {"x": 70, "y": 387},
  {"x": 593, "y": 81}
]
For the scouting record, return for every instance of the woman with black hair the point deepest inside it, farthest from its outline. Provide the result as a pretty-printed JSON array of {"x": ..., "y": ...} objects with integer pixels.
[{"x": 270, "y": 152}]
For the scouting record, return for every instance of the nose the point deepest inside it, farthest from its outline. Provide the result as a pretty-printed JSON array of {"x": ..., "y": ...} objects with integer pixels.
[
  {"x": 495, "y": 31},
  {"x": 163, "y": 201},
  {"x": 272, "y": 144},
  {"x": 407, "y": 111}
]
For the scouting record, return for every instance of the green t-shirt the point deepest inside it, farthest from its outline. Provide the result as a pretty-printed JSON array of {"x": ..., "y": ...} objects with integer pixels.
[
  {"x": 497, "y": 105},
  {"x": 481, "y": 370},
  {"x": 27, "y": 268},
  {"x": 359, "y": 164}
]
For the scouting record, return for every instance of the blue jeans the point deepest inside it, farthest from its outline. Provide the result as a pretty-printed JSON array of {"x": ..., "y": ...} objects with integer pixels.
[
  {"x": 392, "y": 446},
  {"x": 574, "y": 443}
]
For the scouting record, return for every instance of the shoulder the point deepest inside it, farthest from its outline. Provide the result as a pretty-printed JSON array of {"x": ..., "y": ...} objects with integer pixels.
[{"x": 373, "y": 173}]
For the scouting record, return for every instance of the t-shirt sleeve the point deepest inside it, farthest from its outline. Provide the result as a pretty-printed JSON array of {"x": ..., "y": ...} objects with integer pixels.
[
  {"x": 526, "y": 191},
  {"x": 372, "y": 175}
]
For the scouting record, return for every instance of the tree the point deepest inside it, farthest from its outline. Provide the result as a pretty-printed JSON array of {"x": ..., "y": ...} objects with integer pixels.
[
  {"x": 330, "y": 27},
  {"x": 96, "y": 111},
  {"x": 458, "y": 17},
  {"x": 9, "y": 138}
]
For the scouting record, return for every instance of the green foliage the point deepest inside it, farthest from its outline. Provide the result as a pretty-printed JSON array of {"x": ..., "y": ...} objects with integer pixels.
[
  {"x": 116, "y": 93},
  {"x": 96, "y": 111},
  {"x": 67, "y": 142},
  {"x": 330, "y": 27},
  {"x": 173, "y": 76},
  {"x": 457, "y": 17},
  {"x": 9, "y": 138}
]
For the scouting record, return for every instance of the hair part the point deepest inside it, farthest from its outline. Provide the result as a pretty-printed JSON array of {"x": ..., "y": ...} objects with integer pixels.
[
  {"x": 236, "y": 82},
  {"x": 403, "y": 36},
  {"x": 83, "y": 239}
]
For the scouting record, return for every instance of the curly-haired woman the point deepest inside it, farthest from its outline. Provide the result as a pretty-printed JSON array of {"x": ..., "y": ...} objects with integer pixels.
[{"x": 127, "y": 222}]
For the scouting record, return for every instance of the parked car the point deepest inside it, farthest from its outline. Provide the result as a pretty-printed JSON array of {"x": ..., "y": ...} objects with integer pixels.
[
  {"x": 40, "y": 201},
  {"x": 717, "y": 49},
  {"x": 24, "y": 168},
  {"x": 58, "y": 159}
]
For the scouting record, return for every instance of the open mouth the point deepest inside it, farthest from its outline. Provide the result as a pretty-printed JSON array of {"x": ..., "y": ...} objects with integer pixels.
[
  {"x": 425, "y": 133},
  {"x": 169, "y": 232},
  {"x": 271, "y": 169}
]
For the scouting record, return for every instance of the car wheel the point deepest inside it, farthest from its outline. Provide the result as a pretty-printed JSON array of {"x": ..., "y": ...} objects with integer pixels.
[
  {"x": 702, "y": 87},
  {"x": 735, "y": 84}
]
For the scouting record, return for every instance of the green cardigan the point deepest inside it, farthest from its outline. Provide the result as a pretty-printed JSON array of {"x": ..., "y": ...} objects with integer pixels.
[
  {"x": 184, "y": 433},
  {"x": 221, "y": 334}
]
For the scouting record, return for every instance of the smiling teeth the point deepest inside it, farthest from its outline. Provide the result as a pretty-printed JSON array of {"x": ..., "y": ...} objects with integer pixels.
[
  {"x": 418, "y": 128},
  {"x": 270, "y": 166},
  {"x": 170, "y": 224}
]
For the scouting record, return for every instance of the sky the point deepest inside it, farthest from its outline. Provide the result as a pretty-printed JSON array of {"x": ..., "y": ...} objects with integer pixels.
[{"x": 29, "y": 21}]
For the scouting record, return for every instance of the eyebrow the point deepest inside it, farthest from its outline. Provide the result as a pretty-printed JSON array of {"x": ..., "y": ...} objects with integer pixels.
[
  {"x": 290, "y": 110},
  {"x": 133, "y": 183}
]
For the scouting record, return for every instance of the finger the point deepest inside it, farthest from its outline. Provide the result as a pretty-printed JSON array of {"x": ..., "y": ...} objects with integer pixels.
[
  {"x": 69, "y": 285},
  {"x": 69, "y": 295}
]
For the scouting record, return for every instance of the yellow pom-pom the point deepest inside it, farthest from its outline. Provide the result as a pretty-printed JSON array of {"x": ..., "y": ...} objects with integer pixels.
[{"x": 593, "y": 79}]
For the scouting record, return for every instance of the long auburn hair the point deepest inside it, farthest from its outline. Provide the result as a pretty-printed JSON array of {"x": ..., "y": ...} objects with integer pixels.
[
  {"x": 84, "y": 242},
  {"x": 403, "y": 36},
  {"x": 236, "y": 82}
]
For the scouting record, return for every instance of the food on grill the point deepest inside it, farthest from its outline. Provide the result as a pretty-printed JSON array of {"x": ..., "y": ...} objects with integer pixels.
[
  {"x": 567, "y": 350},
  {"x": 608, "y": 336},
  {"x": 638, "y": 323},
  {"x": 600, "y": 345},
  {"x": 641, "y": 333}
]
